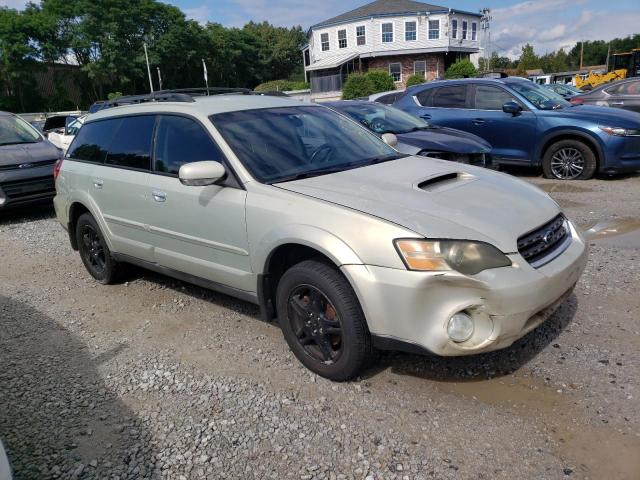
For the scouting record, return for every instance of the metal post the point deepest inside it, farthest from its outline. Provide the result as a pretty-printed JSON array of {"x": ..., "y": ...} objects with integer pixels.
[
  {"x": 206, "y": 75},
  {"x": 159, "y": 78},
  {"x": 146, "y": 56}
]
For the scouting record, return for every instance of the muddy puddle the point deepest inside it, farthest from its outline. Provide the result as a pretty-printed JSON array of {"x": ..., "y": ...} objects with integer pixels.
[
  {"x": 564, "y": 187},
  {"x": 618, "y": 232}
]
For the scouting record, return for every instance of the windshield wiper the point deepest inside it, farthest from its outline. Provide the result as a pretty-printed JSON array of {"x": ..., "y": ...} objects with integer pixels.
[
  {"x": 384, "y": 158},
  {"x": 313, "y": 173},
  {"x": 14, "y": 143}
]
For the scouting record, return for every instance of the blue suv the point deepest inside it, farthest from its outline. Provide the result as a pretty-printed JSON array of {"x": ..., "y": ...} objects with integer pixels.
[{"x": 530, "y": 125}]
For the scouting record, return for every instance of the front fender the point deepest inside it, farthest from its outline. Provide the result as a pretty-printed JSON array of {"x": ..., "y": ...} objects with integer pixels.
[
  {"x": 308, "y": 235},
  {"x": 585, "y": 134}
]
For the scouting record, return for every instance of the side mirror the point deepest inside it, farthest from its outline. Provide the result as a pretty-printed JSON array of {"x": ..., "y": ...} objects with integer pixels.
[
  {"x": 512, "y": 107},
  {"x": 199, "y": 174},
  {"x": 390, "y": 139}
]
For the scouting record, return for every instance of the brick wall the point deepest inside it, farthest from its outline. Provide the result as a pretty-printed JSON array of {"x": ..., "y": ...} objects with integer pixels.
[{"x": 435, "y": 65}]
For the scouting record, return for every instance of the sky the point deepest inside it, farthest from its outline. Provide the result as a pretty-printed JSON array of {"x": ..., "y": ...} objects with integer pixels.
[{"x": 546, "y": 24}]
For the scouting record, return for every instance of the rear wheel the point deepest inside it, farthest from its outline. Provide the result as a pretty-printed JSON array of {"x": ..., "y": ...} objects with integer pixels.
[
  {"x": 569, "y": 160},
  {"x": 322, "y": 320},
  {"x": 94, "y": 252}
]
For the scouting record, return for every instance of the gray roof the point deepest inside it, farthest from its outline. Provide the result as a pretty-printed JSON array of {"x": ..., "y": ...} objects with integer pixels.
[{"x": 385, "y": 7}]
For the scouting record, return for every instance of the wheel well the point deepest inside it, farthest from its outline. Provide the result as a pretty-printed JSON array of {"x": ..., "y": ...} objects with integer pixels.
[
  {"x": 567, "y": 136},
  {"x": 75, "y": 211},
  {"x": 279, "y": 261}
]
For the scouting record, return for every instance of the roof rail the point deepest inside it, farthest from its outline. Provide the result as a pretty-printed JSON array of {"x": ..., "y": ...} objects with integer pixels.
[{"x": 177, "y": 95}]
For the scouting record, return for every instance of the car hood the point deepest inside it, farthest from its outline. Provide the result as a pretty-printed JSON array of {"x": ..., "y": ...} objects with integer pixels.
[
  {"x": 437, "y": 199},
  {"x": 445, "y": 140},
  {"x": 27, "y": 153},
  {"x": 604, "y": 116}
]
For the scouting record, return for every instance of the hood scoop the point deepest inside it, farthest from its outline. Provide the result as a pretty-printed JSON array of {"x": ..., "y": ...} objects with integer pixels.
[{"x": 446, "y": 180}]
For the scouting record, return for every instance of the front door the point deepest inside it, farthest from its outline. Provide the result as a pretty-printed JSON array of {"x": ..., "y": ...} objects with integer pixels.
[{"x": 196, "y": 230}]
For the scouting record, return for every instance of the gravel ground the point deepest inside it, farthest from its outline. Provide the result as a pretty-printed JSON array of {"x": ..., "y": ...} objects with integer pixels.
[{"x": 155, "y": 378}]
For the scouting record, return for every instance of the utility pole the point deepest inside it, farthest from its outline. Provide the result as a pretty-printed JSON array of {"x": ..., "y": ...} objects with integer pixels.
[
  {"x": 581, "y": 53},
  {"x": 206, "y": 75},
  {"x": 159, "y": 78},
  {"x": 485, "y": 24},
  {"x": 146, "y": 56}
]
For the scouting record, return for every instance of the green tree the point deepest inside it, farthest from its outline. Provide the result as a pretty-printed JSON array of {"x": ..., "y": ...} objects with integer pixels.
[
  {"x": 415, "y": 79},
  {"x": 528, "y": 59},
  {"x": 461, "y": 69},
  {"x": 357, "y": 85},
  {"x": 381, "y": 81}
]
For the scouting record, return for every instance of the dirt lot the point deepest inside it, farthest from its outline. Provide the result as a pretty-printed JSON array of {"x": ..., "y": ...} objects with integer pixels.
[{"x": 154, "y": 378}]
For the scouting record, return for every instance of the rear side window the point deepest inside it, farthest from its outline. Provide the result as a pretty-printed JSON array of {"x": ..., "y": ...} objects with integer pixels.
[
  {"x": 389, "y": 98},
  {"x": 491, "y": 98},
  {"x": 131, "y": 145},
  {"x": 450, "y": 97},
  {"x": 93, "y": 141},
  {"x": 180, "y": 140},
  {"x": 629, "y": 88},
  {"x": 425, "y": 97}
]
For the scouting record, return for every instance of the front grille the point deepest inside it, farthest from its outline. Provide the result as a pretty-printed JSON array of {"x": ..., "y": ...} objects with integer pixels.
[
  {"x": 26, "y": 165},
  {"x": 17, "y": 189},
  {"x": 539, "y": 244}
]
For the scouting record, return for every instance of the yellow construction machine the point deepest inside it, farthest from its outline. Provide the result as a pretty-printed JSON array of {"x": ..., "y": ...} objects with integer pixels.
[{"x": 623, "y": 65}]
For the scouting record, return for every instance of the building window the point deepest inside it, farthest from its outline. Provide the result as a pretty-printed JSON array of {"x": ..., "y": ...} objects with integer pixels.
[
  {"x": 361, "y": 38},
  {"x": 420, "y": 68},
  {"x": 465, "y": 26},
  {"x": 342, "y": 39},
  {"x": 454, "y": 29},
  {"x": 395, "y": 70},
  {"x": 434, "y": 29},
  {"x": 324, "y": 40},
  {"x": 410, "y": 31},
  {"x": 387, "y": 32},
  {"x": 474, "y": 31}
]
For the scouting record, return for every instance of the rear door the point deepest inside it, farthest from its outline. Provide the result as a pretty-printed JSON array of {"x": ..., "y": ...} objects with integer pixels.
[
  {"x": 513, "y": 137},
  {"x": 196, "y": 230},
  {"x": 625, "y": 95},
  {"x": 119, "y": 153},
  {"x": 447, "y": 106}
]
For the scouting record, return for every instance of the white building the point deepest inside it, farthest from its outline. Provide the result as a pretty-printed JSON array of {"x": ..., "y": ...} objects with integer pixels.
[{"x": 402, "y": 37}]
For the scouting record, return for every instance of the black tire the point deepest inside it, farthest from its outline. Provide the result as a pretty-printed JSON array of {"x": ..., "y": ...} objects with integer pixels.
[
  {"x": 350, "y": 350},
  {"x": 94, "y": 252},
  {"x": 569, "y": 160}
]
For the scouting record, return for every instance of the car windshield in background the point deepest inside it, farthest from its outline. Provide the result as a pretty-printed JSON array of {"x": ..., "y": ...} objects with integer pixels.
[
  {"x": 281, "y": 144},
  {"x": 15, "y": 131},
  {"x": 382, "y": 119},
  {"x": 540, "y": 97}
]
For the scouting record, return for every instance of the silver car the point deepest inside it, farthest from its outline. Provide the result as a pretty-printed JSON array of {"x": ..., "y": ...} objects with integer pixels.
[{"x": 351, "y": 245}]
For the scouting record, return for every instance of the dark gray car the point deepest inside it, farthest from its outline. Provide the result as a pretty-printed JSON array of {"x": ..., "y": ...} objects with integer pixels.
[
  {"x": 621, "y": 94},
  {"x": 27, "y": 160}
]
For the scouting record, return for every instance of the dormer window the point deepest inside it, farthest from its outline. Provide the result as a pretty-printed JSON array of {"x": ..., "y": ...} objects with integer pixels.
[
  {"x": 324, "y": 40},
  {"x": 387, "y": 32},
  {"x": 410, "y": 31},
  {"x": 342, "y": 39},
  {"x": 434, "y": 29}
]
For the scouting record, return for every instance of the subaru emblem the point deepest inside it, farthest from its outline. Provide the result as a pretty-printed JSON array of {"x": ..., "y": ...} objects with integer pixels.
[{"x": 547, "y": 236}]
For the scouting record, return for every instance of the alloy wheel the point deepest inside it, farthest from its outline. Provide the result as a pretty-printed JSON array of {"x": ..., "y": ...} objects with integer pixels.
[
  {"x": 567, "y": 163},
  {"x": 93, "y": 249},
  {"x": 315, "y": 323}
]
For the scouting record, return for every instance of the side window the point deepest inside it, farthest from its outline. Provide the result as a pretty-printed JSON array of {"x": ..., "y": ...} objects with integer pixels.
[
  {"x": 93, "y": 141},
  {"x": 629, "y": 88},
  {"x": 180, "y": 140},
  {"x": 450, "y": 97},
  {"x": 491, "y": 98},
  {"x": 425, "y": 97},
  {"x": 131, "y": 145},
  {"x": 389, "y": 98}
]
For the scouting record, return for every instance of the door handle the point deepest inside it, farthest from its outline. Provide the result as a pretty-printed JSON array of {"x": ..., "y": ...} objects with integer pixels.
[
  {"x": 617, "y": 103},
  {"x": 478, "y": 121},
  {"x": 98, "y": 183},
  {"x": 426, "y": 116},
  {"x": 159, "y": 196}
]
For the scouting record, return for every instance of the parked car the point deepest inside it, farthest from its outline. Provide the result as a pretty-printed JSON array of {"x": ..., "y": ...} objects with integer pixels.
[
  {"x": 526, "y": 124},
  {"x": 566, "y": 91},
  {"x": 414, "y": 135},
  {"x": 349, "y": 243},
  {"x": 26, "y": 163},
  {"x": 62, "y": 137},
  {"x": 5, "y": 467},
  {"x": 624, "y": 94},
  {"x": 386, "y": 98}
]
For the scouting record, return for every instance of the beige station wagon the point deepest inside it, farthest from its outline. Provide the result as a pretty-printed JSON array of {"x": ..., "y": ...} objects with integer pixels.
[{"x": 349, "y": 244}]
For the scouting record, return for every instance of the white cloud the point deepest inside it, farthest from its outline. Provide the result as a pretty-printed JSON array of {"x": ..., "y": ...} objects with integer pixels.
[
  {"x": 18, "y": 4},
  {"x": 554, "y": 33},
  {"x": 200, "y": 14}
]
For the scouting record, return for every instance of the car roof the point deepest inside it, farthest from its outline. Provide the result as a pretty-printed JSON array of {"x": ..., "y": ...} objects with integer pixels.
[
  {"x": 203, "y": 105},
  {"x": 346, "y": 103},
  {"x": 455, "y": 81}
]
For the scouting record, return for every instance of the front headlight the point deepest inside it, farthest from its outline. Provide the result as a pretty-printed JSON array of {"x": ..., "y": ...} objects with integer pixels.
[
  {"x": 464, "y": 256},
  {"x": 621, "y": 132}
]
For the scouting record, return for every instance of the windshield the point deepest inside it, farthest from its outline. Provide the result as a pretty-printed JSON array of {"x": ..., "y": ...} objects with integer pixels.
[
  {"x": 381, "y": 118},
  {"x": 15, "y": 131},
  {"x": 540, "y": 97},
  {"x": 280, "y": 144}
]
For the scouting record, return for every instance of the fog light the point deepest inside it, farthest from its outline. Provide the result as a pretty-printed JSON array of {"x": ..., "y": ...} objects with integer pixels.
[
  {"x": 2, "y": 198},
  {"x": 460, "y": 327}
]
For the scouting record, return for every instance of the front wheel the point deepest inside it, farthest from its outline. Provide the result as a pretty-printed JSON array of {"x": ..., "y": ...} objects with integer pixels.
[
  {"x": 569, "y": 160},
  {"x": 322, "y": 320}
]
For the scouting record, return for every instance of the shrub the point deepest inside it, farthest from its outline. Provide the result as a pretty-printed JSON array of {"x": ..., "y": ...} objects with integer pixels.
[
  {"x": 461, "y": 69},
  {"x": 357, "y": 85},
  {"x": 281, "y": 86},
  {"x": 415, "y": 79},
  {"x": 381, "y": 81},
  {"x": 114, "y": 95}
]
